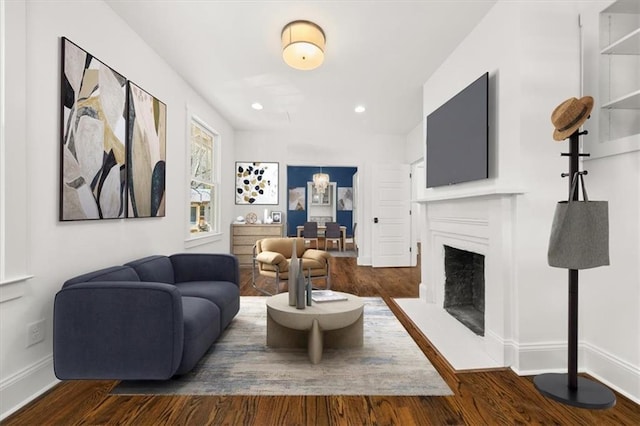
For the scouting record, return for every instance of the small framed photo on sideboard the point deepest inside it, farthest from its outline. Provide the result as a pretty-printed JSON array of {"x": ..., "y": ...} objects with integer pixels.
[{"x": 276, "y": 217}]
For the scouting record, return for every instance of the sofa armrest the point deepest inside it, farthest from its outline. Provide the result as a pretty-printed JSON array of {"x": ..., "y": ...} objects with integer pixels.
[
  {"x": 126, "y": 330},
  {"x": 319, "y": 255},
  {"x": 205, "y": 267},
  {"x": 270, "y": 257}
]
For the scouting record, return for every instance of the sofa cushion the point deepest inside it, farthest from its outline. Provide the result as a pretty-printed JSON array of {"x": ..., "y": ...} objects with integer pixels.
[
  {"x": 224, "y": 294},
  {"x": 154, "y": 269},
  {"x": 201, "y": 328},
  {"x": 114, "y": 273},
  {"x": 205, "y": 267}
]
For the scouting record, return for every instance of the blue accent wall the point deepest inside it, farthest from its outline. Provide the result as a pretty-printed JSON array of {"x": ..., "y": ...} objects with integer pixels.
[{"x": 298, "y": 176}]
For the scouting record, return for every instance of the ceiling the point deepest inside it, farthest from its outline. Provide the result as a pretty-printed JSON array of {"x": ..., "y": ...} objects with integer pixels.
[{"x": 378, "y": 54}]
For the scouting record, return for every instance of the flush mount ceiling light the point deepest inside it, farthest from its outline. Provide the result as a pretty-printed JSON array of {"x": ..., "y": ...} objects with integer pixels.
[
  {"x": 360, "y": 109},
  {"x": 257, "y": 106},
  {"x": 303, "y": 45}
]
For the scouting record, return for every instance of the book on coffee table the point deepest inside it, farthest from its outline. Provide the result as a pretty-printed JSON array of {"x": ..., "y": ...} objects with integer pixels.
[{"x": 321, "y": 296}]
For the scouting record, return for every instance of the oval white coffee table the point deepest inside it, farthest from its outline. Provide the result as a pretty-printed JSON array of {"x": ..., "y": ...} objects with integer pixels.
[{"x": 329, "y": 324}]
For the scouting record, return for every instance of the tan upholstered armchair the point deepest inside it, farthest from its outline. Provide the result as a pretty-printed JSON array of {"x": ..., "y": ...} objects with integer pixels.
[{"x": 271, "y": 257}]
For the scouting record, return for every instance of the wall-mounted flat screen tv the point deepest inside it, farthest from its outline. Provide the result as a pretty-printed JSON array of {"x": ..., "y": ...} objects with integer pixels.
[{"x": 458, "y": 137}]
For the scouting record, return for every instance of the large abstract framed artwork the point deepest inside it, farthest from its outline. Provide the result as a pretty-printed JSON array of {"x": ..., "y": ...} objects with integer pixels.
[
  {"x": 256, "y": 183},
  {"x": 146, "y": 153},
  {"x": 93, "y": 122}
]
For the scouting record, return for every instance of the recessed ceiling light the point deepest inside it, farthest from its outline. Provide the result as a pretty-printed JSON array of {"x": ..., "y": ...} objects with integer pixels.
[
  {"x": 257, "y": 106},
  {"x": 360, "y": 109}
]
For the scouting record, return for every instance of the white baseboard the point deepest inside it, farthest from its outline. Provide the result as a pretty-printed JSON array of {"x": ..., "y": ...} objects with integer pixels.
[
  {"x": 613, "y": 372},
  {"x": 364, "y": 261},
  {"x": 537, "y": 358},
  {"x": 496, "y": 347},
  {"x": 551, "y": 357},
  {"x": 17, "y": 389}
]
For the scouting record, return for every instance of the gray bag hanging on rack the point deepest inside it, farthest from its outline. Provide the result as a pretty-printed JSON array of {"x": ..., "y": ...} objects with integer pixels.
[{"x": 580, "y": 232}]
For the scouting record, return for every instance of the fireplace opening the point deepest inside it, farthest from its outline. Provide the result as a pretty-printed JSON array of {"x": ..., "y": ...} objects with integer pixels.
[{"x": 464, "y": 287}]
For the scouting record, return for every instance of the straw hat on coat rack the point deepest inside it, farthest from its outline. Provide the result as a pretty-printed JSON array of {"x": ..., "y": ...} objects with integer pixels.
[{"x": 569, "y": 116}]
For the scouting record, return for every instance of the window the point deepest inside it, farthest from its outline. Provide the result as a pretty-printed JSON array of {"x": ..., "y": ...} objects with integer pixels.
[{"x": 203, "y": 186}]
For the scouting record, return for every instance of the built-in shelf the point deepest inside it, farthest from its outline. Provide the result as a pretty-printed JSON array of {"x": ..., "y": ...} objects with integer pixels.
[
  {"x": 630, "y": 101},
  {"x": 614, "y": 147},
  {"x": 618, "y": 90},
  {"x": 627, "y": 45},
  {"x": 318, "y": 199}
]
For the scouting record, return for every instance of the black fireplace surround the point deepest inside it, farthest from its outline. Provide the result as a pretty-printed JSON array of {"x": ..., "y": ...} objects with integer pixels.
[{"x": 464, "y": 287}]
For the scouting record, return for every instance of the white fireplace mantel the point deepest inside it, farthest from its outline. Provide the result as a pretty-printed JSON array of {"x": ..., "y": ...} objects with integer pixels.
[
  {"x": 480, "y": 220},
  {"x": 445, "y": 195}
]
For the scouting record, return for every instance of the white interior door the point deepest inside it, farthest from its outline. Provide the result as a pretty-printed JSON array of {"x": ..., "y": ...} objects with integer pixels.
[{"x": 391, "y": 216}]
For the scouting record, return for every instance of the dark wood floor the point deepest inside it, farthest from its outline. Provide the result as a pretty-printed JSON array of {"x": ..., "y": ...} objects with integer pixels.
[{"x": 481, "y": 398}]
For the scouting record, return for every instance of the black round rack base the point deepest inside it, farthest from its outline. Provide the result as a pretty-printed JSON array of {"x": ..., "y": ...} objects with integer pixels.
[{"x": 588, "y": 394}]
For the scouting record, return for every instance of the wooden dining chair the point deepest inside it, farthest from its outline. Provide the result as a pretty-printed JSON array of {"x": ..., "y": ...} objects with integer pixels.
[
  {"x": 333, "y": 234},
  {"x": 310, "y": 233}
]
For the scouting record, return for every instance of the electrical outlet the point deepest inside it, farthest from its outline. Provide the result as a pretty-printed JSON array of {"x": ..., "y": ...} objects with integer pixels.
[{"x": 35, "y": 332}]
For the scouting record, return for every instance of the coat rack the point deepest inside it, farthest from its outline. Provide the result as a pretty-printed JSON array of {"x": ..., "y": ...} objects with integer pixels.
[{"x": 569, "y": 388}]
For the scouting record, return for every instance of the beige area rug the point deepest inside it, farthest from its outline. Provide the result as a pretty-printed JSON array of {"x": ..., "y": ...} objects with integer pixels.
[{"x": 240, "y": 363}]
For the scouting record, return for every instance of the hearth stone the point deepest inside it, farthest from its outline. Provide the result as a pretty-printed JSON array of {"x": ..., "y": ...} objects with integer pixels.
[{"x": 464, "y": 287}]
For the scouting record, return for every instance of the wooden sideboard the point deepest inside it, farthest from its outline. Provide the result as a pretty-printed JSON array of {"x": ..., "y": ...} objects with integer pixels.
[{"x": 244, "y": 236}]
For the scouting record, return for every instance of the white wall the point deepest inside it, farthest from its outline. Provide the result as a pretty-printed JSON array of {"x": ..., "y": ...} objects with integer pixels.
[
  {"x": 612, "y": 347},
  {"x": 549, "y": 75},
  {"x": 56, "y": 250},
  {"x": 415, "y": 144},
  {"x": 610, "y": 296},
  {"x": 332, "y": 148},
  {"x": 532, "y": 52},
  {"x": 13, "y": 262}
]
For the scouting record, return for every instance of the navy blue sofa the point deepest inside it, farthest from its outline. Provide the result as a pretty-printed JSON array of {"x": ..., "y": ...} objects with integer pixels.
[{"x": 149, "y": 319}]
